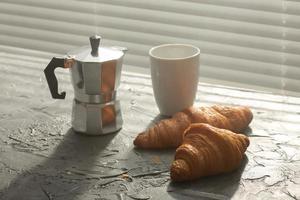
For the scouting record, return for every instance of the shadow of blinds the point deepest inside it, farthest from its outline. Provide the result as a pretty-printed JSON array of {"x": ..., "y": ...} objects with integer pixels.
[{"x": 252, "y": 42}]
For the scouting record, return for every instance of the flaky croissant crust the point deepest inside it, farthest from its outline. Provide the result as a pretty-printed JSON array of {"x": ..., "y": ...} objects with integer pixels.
[
  {"x": 207, "y": 150},
  {"x": 168, "y": 133}
]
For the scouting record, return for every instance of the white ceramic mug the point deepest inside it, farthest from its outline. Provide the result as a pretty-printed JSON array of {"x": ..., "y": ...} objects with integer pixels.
[{"x": 175, "y": 75}]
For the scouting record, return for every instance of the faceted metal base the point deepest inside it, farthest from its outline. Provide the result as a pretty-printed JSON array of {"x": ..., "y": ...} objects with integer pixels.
[{"x": 96, "y": 119}]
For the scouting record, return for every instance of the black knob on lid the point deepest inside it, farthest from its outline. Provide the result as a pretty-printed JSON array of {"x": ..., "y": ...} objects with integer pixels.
[{"x": 95, "y": 42}]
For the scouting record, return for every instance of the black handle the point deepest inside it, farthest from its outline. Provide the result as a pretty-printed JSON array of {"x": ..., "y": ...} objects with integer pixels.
[{"x": 51, "y": 78}]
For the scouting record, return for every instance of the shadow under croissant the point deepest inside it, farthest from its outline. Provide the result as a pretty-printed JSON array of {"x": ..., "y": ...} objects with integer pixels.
[
  {"x": 248, "y": 131},
  {"x": 213, "y": 187}
]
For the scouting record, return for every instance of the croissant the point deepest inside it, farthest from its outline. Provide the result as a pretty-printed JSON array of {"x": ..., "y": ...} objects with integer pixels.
[
  {"x": 168, "y": 132},
  {"x": 207, "y": 150}
]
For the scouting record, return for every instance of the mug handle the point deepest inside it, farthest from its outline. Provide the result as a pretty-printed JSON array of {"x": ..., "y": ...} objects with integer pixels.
[{"x": 61, "y": 62}]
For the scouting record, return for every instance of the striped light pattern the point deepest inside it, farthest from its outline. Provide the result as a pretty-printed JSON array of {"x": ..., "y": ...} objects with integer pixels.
[{"x": 255, "y": 42}]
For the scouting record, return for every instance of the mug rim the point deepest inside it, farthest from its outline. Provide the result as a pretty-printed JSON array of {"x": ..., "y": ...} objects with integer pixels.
[{"x": 175, "y": 58}]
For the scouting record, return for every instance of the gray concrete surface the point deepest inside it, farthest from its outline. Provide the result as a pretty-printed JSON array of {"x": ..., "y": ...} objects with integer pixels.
[{"x": 42, "y": 158}]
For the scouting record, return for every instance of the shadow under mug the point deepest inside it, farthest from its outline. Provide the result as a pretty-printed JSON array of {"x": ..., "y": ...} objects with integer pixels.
[{"x": 175, "y": 76}]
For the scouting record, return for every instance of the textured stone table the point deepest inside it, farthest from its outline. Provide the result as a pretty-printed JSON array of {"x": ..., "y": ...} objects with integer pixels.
[{"x": 41, "y": 158}]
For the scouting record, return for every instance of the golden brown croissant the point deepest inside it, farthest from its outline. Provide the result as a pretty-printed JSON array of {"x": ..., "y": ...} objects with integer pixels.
[
  {"x": 168, "y": 132},
  {"x": 207, "y": 150}
]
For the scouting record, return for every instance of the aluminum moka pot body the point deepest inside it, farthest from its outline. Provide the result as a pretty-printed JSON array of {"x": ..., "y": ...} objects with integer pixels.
[
  {"x": 96, "y": 118},
  {"x": 96, "y": 82},
  {"x": 95, "y": 75}
]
